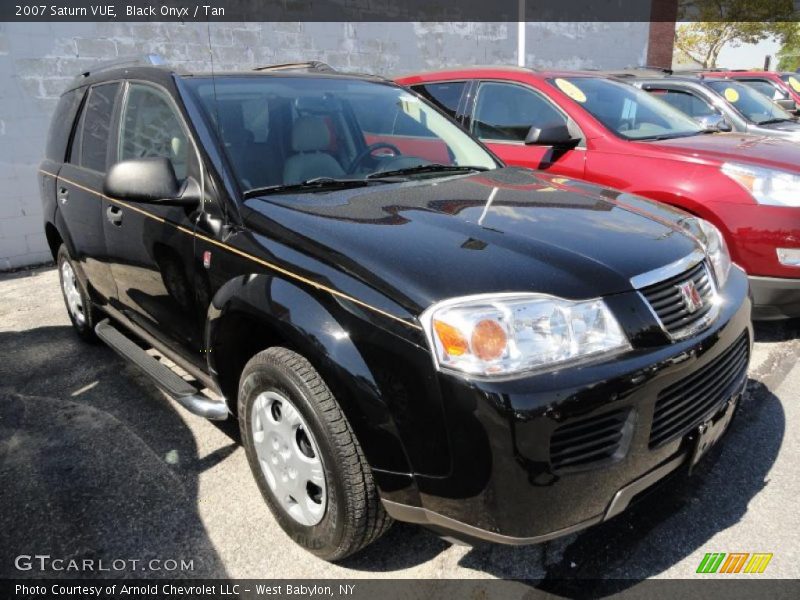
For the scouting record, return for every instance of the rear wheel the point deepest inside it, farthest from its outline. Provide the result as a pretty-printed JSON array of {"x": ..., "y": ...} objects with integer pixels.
[
  {"x": 76, "y": 296},
  {"x": 305, "y": 458}
]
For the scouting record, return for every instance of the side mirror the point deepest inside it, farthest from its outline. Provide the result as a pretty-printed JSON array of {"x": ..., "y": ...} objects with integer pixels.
[
  {"x": 724, "y": 126},
  {"x": 556, "y": 135},
  {"x": 787, "y": 104},
  {"x": 149, "y": 180},
  {"x": 715, "y": 122}
]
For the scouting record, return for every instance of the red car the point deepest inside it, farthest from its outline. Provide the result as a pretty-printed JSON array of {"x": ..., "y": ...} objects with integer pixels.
[
  {"x": 590, "y": 127},
  {"x": 782, "y": 88}
]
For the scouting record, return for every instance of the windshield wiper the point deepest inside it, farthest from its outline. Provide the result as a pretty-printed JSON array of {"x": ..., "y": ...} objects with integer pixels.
[
  {"x": 777, "y": 120},
  {"x": 658, "y": 138},
  {"x": 314, "y": 185},
  {"x": 431, "y": 168}
]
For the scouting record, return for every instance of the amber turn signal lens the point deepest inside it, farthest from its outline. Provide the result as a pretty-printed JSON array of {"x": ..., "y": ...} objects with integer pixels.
[
  {"x": 450, "y": 337},
  {"x": 489, "y": 340}
]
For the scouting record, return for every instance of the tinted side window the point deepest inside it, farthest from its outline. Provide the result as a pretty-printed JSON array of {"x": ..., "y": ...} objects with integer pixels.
[
  {"x": 506, "y": 112},
  {"x": 96, "y": 126},
  {"x": 444, "y": 95},
  {"x": 151, "y": 128},
  {"x": 685, "y": 102},
  {"x": 61, "y": 125}
]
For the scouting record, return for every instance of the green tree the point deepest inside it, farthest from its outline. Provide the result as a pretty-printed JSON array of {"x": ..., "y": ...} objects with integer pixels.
[
  {"x": 719, "y": 23},
  {"x": 789, "y": 54}
]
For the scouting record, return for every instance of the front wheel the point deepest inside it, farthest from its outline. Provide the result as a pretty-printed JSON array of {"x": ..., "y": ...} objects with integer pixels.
[
  {"x": 308, "y": 463},
  {"x": 76, "y": 296}
]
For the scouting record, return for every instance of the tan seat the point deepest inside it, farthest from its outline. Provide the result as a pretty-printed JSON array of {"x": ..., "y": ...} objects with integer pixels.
[{"x": 310, "y": 142}]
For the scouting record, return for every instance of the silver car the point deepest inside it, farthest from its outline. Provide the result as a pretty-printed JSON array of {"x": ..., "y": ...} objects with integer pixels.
[{"x": 722, "y": 104}]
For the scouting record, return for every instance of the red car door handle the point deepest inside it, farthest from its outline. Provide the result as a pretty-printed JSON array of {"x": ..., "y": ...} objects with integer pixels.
[{"x": 114, "y": 215}]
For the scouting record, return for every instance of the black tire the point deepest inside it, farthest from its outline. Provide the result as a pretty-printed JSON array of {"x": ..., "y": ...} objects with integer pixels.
[
  {"x": 354, "y": 516},
  {"x": 84, "y": 327}
]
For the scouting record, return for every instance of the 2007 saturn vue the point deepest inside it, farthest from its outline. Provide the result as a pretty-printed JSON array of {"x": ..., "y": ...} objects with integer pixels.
[{"x": 405, "y": 328}]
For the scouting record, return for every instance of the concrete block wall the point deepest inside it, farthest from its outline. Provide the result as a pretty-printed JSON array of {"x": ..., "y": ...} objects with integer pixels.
[
  {"x": 586, "y": 45},
  {"x": 38, "y": 59}
]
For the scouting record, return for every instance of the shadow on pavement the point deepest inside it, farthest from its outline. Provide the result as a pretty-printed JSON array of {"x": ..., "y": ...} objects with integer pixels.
[
  {"x": 403, "y": 546},
  {"x": 94, "y": 464},
  {"x": 777, "y": 331}
]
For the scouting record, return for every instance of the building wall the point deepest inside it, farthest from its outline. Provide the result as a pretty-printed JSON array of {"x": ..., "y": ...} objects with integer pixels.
[
  {"x": 661, "y": 46},
  {"x": 586, "y": 45},
  {"x": 38, "y": 59}
]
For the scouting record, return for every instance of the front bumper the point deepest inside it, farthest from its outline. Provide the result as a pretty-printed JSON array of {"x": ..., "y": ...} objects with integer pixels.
[
  {"x": 504, "y": 484},
  {"x": 755, "y": 232},
  {"x": 469, "y": 533},
  {"x": 775, "y": 298}
]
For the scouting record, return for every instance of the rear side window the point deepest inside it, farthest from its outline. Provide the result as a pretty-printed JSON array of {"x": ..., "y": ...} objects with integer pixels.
[
  {"x": 444, "y": 95},
  {"x": 685, "y": 102},
  {"x": 506, "y": 112},
  {"x": 61, "y": 125},
  {"x": 152, "y": 128},
  {"x": 95, "y": 127}
]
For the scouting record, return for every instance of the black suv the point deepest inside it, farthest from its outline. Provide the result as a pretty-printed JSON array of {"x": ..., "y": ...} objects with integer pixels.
[{"x": 404, "y": 328}]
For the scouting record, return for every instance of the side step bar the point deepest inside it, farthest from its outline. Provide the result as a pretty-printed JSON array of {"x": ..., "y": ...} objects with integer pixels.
[{"x": 180, "y": 390}]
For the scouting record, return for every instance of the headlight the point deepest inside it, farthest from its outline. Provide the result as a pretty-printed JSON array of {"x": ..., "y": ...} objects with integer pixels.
[
  {"x": 713, "y": 244},
  {"x": 766, "y": 186},
  {"x": 504, "y": 334}
]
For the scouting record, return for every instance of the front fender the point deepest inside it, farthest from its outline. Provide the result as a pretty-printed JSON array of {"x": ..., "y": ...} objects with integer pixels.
[{"x": 291, "y": 316}]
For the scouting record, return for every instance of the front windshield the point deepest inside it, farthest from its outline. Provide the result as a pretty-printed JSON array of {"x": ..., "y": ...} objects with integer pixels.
[
  {"x": 627, "y": 111},
  {"x": 792, "y": 80},
  {"x": 766, "y": 88},
  {"x": 284, "y": 130},
  {"x": 751, "y": 105}
]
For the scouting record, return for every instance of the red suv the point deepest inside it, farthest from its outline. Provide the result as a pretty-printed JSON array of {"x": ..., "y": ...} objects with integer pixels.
[
  {"x": 782, "y": 88},
  {"x": 590, "y": 127}
]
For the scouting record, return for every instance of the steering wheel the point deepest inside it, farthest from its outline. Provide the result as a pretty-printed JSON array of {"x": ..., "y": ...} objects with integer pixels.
[{"x": 361, "y": 156}]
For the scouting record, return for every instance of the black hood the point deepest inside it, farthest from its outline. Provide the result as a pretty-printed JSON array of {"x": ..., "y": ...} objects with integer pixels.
[{"x": 506, "y": 230}]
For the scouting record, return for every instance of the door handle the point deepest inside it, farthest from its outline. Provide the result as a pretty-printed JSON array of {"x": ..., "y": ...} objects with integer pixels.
[
  {"x": 63, "y": 194},
  {"x": 114, "y": 215}
]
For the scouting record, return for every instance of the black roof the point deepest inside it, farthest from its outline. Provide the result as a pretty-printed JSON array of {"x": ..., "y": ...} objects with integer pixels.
[
  {"x": 157, "y": 74},
  {"x": 152, "y": 68}
]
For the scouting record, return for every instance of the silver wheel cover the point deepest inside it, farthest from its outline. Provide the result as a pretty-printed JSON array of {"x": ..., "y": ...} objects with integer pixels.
[
  {"x": 69, "y": 285},
  {"x": 289, "y": 457}
]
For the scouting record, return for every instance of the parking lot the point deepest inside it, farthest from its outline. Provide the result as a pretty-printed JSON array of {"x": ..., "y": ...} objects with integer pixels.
[{"x": 95, "y": 462}]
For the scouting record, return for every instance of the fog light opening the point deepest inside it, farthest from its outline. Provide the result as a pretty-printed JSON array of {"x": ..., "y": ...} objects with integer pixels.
[{"x": 789, "y": 257}]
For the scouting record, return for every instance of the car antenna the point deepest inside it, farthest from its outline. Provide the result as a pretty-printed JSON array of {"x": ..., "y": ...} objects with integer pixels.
[{"x": 488, "y": 204}]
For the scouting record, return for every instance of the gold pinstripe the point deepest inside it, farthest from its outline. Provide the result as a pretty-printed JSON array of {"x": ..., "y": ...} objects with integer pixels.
[{"x": 241, "y": 253}]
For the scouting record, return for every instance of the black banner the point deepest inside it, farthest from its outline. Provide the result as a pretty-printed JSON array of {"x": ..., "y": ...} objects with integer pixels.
[
  {"x": 400, "y": 10},
  {"x": 389, "y": 589}
]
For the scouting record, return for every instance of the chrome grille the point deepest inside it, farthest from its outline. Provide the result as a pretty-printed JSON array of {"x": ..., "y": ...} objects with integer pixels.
[
  {"x": 590, "y": 441},
  {"x": 668, "y": 302},
  {"x": 684, "y": 404}
]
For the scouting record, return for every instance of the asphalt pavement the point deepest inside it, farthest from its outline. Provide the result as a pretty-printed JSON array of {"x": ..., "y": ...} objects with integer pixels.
[{"x": 97, "y": 464}]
